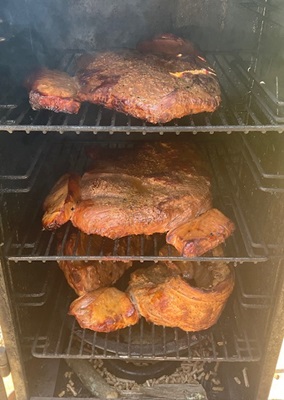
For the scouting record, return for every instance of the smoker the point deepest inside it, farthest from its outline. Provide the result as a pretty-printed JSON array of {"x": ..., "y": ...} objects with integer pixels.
[{"x": 243, "y": 143}]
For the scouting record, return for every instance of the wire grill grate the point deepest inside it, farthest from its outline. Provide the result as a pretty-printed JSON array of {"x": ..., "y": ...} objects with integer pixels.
[
  {"x": 237, "y": 113},
  {"x": 30, "y": 243},
  {"x": 63, "y": 338}
]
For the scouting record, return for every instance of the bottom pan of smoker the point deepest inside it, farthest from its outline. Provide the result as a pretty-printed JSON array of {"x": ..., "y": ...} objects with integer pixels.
[
  {"x": 140, "y": 371},
  {"x": 50, "y": 377},
  {"x": 222, "y": 380}
]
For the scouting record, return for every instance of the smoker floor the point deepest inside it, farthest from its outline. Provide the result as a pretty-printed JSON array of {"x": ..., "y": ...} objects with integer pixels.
[
  {"x": 127, "y": 388},
  {"x": 56, "y": 380}
]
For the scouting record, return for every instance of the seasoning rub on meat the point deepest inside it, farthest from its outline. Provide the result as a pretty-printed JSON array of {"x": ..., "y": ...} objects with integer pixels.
[
  {"x": 165, "y": 78},
  {"x": 151, "y": 188},
  {"x": 187, "y": 295}
]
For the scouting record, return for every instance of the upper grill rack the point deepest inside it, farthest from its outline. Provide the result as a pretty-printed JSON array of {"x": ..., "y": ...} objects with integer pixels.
[{"x": 246, "y": 106}]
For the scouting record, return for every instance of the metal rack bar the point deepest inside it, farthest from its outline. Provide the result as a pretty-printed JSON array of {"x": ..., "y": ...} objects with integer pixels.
[
  {"x": 228, "y": 340},
  {"x": 241, "y": 69},
  {"x": 38, "y": 245},
  {"x": 38, "y": 297},
  {"x": 154, "y": 129},
  {"x": 22, "y": 118},
  {"x": 264, "y": 181},
  {"x": 254, "y": 6},
  {"x": 222, "y": 342},
  {"x": 17, "y": 180},
  {"x": 257, "y": 163},
  {"x": 226, "y": 168}
]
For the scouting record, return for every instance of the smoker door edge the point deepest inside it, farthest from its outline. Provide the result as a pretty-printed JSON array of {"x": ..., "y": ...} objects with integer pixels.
[
  {"x": 273, "y": 341},
  {"x": 11, "y": 340}
]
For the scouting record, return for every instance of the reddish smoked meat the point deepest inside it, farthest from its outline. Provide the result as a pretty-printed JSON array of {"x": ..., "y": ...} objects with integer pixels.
[
  {"x": 165, "y": 78},
  {"x": 60, "y": 203},
  {"x": 151, "y": 188},
  {"x": 104, "y": 310},
  {"x": 202, "y": 234},
  {"x": 189, "y": 296},
  {"x": 167, "y": 44},
  {"x": 86, "y": 276},
  {"x": 53, "y": 90}
]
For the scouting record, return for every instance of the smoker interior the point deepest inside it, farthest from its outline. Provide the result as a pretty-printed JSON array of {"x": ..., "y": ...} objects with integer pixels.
[{"x": 242, "y": 142}]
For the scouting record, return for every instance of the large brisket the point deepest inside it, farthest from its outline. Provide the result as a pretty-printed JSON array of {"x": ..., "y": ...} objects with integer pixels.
[
  {"x": 187, "y": 295},
  {"x": 150, "y": 188},
  {"x": 165, "y": 79},
  {"x": 190, "y": 300}
]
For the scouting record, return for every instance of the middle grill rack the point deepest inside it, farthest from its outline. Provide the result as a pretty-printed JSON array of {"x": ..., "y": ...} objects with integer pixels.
[{"x": 30, "y": 243}]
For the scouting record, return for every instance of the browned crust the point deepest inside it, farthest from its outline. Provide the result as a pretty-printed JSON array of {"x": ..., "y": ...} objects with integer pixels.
[
  {"x": 104, "y": 310},
  {"x": 60, "y": 204},
  {"x": 53, "y": 90},
  {"x": 55, "y": 83},
  {"x": 154, "y": 188},
  {"x": 201, "y": 234},
  {"x": 143, "y": 85},
  {"x": 85, "y": 277},
  {"x": 165, "y": 79},
  {"x": 53, "y": 103},
  {"x": 164, "y": 297}
]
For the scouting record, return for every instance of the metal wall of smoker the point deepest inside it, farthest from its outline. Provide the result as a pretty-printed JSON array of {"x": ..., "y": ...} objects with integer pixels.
[{"x": 89, "y": 25}]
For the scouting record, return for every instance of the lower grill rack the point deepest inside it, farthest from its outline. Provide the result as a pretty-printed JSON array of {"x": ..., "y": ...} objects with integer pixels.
[{"x": 62, "y": 337}]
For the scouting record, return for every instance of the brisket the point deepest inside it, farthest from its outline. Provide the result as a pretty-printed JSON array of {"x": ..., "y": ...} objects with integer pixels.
[
  {"x": 104, "y": 310},
  {"x": 165, "y": 79},
  {"x": 53, "y": 90},
  {"x": 84, "y": 276},
  {"x": 150, "y": 188},
  {"x": 189, "y": 296},
  {"x": 201, "y": 234}
]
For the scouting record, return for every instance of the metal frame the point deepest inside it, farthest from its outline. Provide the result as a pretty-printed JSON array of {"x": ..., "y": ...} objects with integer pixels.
[
  {"x": 37, "y": 245},
  {"x": 228, "y": 340},
  {"x": 260, "y": 111},
  {"x": 12, "y": 344}
]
